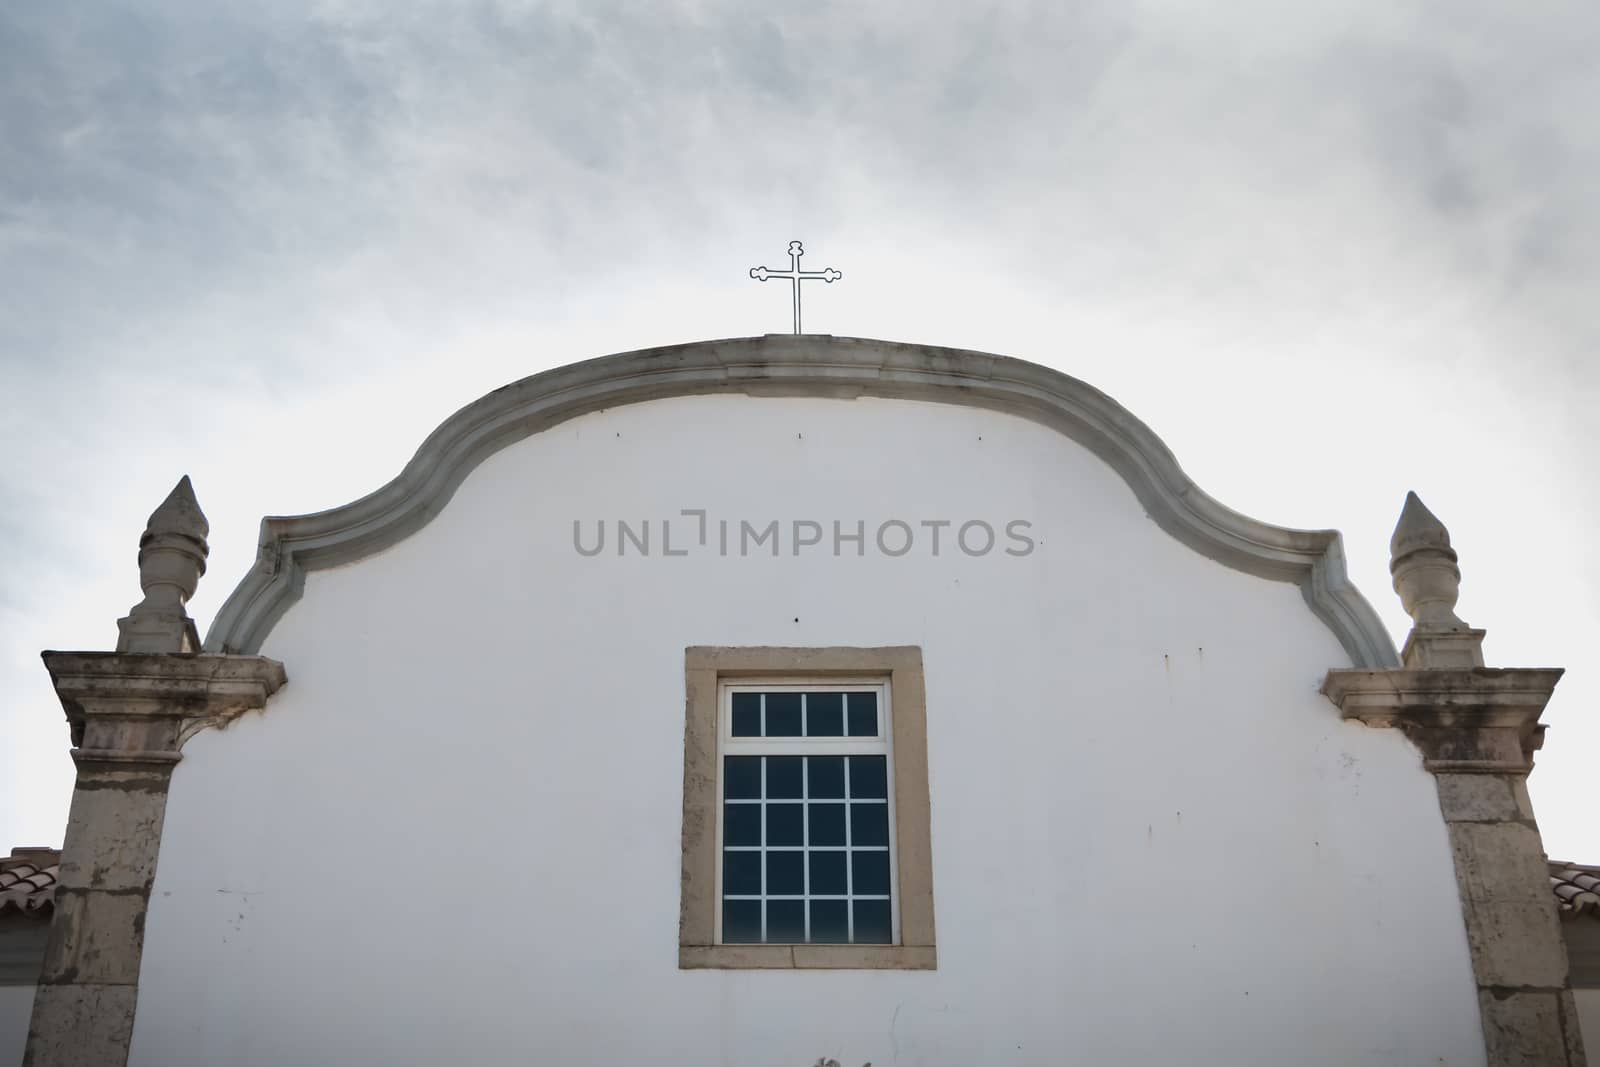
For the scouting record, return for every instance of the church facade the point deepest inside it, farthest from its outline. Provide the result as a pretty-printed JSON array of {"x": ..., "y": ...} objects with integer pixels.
[{"x": 789, "y": 700}]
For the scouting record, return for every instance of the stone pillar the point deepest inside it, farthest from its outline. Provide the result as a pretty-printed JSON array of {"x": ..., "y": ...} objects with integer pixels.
[
  {"x": 129, "y": 713},
  {"x": 1477, "y": 729}
]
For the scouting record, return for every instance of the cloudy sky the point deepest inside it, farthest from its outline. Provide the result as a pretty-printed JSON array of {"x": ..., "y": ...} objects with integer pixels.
[{"x": 1329, "y": 252}]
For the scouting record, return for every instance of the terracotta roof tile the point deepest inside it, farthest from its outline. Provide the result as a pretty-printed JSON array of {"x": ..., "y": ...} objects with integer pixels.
[
  {"x": 1577, "y": 889},
  {"x": 28, "y": 881}
]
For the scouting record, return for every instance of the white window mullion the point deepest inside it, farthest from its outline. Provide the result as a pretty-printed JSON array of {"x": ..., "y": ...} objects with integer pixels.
[
  {"x": 849, "y": 867},
  {"x": 763, "y": 832},
  {"x": 821, "y": 746},
  {"x": 805, "y": 836}
]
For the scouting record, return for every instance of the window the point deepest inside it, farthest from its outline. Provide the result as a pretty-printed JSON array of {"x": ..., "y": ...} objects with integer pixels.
[
  {"x": 806, "y": 850},
  {"x": 805, "y": 833}
]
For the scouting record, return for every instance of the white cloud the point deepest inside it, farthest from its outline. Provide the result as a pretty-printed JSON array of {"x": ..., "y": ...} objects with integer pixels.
[{"x": 1328, "y": 253}]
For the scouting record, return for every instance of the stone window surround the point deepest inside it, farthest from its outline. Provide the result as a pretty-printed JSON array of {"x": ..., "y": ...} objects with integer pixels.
[{"x": 705, "y": 668}]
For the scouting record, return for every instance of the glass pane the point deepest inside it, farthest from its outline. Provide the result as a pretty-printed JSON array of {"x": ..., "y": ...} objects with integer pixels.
[
  {"x": 783, "y": 776},
  {"x": 741, "y": 873},
  {"x": 741, "y": 921},
  {"x": 786, "y": 873},
  {"x": 827, "y": 874},
  {"x": 869, "y": 824},
  {"x": 827, "y": 776},
  {"x": 828, "y": 922},
  {"x": 868, "y": 777},
  {"x": 784, "y": 826},
  {"x": 786, "y": 922},
  {"x": 824, "y": 714},
  {"x": 872, "y": 922},
  {"x": 863, "y": 714},
  {"x": 747, "y": 715},
  {"x": 869, "y": 872},
  {"x": 741, "y": 824},
  {"x": 827, "y": 824},
  {"x": 741, "y": 777},
  {"x": 783, "y": 714}
]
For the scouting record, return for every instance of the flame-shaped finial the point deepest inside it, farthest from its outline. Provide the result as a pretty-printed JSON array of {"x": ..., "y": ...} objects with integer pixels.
[
  {"x": 179, "y": 514},
  {"x": 1428, "y": 581},
  {"x": 172, "y": 557},
  {"x": 1424, "y": 568},
  {"x": 1418, "y": 529}
]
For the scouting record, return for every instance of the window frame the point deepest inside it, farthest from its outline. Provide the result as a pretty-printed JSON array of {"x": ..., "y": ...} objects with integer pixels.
[
  {"x": 880, "y": 743},
  {"x": 709, "y": 672}
]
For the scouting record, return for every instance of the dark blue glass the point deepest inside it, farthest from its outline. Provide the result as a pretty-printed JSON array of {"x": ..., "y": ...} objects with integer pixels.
[
  {"x": 869, "y": 872},
  {"x": 869, "y": 824},
  {"x": 741, "y": 824},
  {"x": 741, "y": 922},
  {"x": 827, "y": 874},
  {"x": 741, "y": 873},
  {"x": 783, "y": 714},
  {"x": 827, "y": 824},
  {"x": 869, "y": 778},
  {"x": 824, "y": 714},
  {"x": 783, "y": 777},
  {"x": 826, "y": 776},
  {"x": 786, "y": 873},
  {"x": 747, "y": 715},
  {"x": 785, "y": 824},
  {"x": 741, "y": 777},
  {"x": 863, "y": 714},
  {"x": 786, "y": 922},
  {"x": 829, "y": 922},
  {"x": 872, "y": 922}
]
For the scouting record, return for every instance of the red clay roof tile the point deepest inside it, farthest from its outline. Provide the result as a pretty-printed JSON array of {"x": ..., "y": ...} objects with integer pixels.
[
  {"x": 1577, "y": 889},
  {"x": 28, "y": 881}
]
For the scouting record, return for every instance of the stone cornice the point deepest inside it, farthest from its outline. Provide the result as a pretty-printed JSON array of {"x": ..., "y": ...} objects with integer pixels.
[
  {"x": 1468, "y": 720},
  {"x": 804, "y": 365},
  {"x": 139, "y": 709}
]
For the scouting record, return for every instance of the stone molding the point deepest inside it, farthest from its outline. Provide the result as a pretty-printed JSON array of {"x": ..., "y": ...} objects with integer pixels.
[
  {"x": 1480, "y": 720},
  {"x": 791, "y": 365},
  {"x": 130, "y": 714},
  {"x": 133, "y": 708}
]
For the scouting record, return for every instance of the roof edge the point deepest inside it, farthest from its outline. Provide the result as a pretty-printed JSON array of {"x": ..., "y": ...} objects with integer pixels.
[{"x": 808, "y": 365}]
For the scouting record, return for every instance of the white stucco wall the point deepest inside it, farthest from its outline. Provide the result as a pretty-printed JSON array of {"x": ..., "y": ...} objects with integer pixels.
[
  {"x": 1589, "y": 1018},
  {"x": 16, "y": 1009},
  {"x": 454, "y": 836}
]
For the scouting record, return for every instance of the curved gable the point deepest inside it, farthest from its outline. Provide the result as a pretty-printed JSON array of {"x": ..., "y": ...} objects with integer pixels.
[{"x": 802, "y": 365}]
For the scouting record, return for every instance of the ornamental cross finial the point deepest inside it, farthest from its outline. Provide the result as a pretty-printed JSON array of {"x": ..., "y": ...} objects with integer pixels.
[{"x": 795, "y": 276}]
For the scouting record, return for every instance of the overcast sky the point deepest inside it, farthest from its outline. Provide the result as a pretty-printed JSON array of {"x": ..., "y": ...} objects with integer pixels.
[{"x": 1328, "y": 252}]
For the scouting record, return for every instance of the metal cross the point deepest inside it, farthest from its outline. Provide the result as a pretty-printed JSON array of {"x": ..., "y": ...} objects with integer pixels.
[{"x": 795, "y": 276}]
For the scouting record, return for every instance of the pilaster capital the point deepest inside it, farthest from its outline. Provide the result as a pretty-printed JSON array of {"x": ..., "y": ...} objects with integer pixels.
[
  {"x": 134, "y": 711},
  {"x": 1475, "y": 720}
]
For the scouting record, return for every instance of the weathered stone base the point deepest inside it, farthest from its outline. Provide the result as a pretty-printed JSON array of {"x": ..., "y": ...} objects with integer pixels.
[
  {"x": 1537, "y": 1028},
  {"x": 81, "y": 1025}
]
